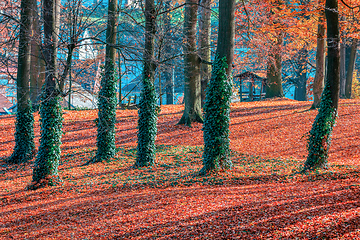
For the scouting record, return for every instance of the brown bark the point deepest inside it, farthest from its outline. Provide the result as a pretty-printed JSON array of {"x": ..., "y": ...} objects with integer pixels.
[
  {"x": 273, "y": 74},
  {"x": 333, "y": 40},
  {"x": 150, "y": 30},
  {"x": 105, "y": 140},
  {"x": 147, "y": 121},
  {"x": 342, "y": 69},
  {"x": 320, "y": 61},
  {"x": 24, "y": 53},
  {"x": 47, "y": 161},
  {"x": 350, "y": 69},
  {"x": 226, "y": 32},
  {"x": 192, "y": 88},
  {"x": 168, "y": 69},
  {"x": 322, "y": 128},
  {"x": 56, "y": 34},
  {"x": 300, "y": 90},
  {"x": 217, "y": 106},
  {"x": 50, "y": 45},
  {"x": 110, "y": 51},
  {"x": 24, "y": 135},
  {"x": 35, "y": 81},
  {"x": 204, "y": 42}
]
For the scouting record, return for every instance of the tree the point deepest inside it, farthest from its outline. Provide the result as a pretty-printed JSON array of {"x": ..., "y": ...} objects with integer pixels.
[
  {"x": 24, "y": 135},
  {"x": 36, "y": 62},
  {"x": 204, "y": 45},
  {"x": 217, "y": 103},
  {"x": 320, "y": 59},
  {"x": 105, "y": 140},
  {"x": 147, "y": 108},
  {"x": 192, "y": 87},
  {"x": 343, "y": 49},
  {"x": 275, "y": 30},
  {"x": 273, "y": 74},
  {"x": 300, "y": 89},
  {"x": 47, "y": 160},
  {"x": 168, "y": 69},
  {"x": 350, "y": 69},
  {"x": 320, "y": 134}
]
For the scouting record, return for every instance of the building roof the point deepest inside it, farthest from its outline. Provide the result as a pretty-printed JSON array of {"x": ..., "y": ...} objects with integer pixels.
[
  {"x": 134, "y": 86},
  {"x": 250, "y": 75},
  {"x": 80, "y": 97}
]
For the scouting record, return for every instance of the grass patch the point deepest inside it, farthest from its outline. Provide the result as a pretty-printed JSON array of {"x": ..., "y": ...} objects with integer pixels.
[{"x": 179, "y": 166}]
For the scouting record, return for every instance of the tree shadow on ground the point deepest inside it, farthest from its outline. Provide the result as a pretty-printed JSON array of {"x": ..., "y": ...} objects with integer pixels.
[{"x": 216, "y": 212}]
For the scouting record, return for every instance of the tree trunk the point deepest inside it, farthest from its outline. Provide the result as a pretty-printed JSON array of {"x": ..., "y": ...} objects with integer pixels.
[
  {"x": 120, "y": 77},
  {"x": 333, "y": 39},
  {"x": 350, "y": 69},
  {"x": 41, "y": 80},
  {"x": 342, "y": 69},
  {"x": 168, "y": 49},
  {"x": 320, "y": 61},
  {"x": 204, "y": 42},
  {"x": 105, "y": 141},
  {"x": 273, "y": 74},
  {"x": 300, "y": 90},
  {"x": 320, "y": 134},
  {"x": 147, "y": 107},
  {"x": 35, "y": 81},
  {"x": 217, "y": 105},
  {"x": 192, "y": 91},
  {"x": 24, "y": 135},
  {"x": 56, "y": 36},
  {"x": 170, "y": 86},
  {"x": 47, "y": 160}
]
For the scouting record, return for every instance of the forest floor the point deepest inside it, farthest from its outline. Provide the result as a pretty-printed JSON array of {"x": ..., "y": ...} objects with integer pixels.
[{"x": 262, "y": 197}]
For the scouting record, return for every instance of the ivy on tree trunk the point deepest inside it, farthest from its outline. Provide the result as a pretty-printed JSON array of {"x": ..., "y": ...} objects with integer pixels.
[
  {"x": 47, "y": 160},
  {"x": 320, "y": 133},
  {"x": 217, "y": 101},
  {"x": 147, "y": 108},
  {"x": 24, "y": 136},
  {"x": 147, "y": 125},
  {"x": 48, "y": 157},
  {"x": 105, "y": 140},
  {"x": 217, "y": 120}
]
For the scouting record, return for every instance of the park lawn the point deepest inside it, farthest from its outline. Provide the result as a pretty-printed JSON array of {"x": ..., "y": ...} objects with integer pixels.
[{"x": 262, "y": 197}]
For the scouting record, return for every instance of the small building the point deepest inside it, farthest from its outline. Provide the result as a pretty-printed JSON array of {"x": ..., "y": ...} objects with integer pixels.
[
  {"x": 80, "y": 98},
  {"x": 250, "y": 86}
]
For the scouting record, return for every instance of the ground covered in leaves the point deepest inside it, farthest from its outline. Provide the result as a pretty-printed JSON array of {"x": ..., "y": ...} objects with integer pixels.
[{"x": 263, "y": 197}]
